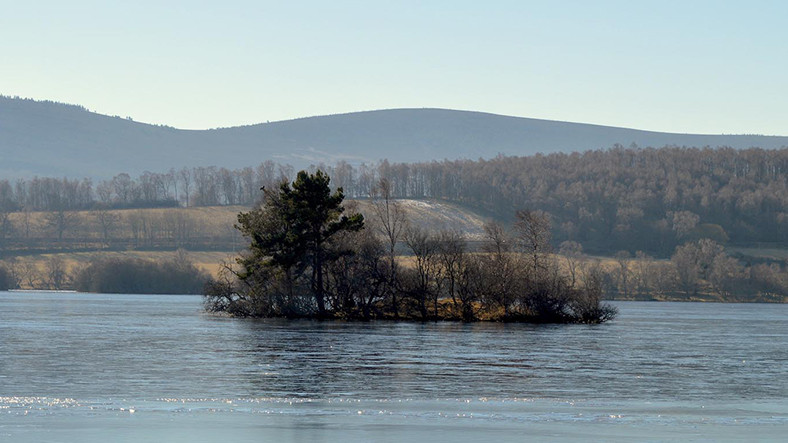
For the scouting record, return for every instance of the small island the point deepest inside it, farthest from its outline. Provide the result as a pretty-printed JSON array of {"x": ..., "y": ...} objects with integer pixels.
[{"x": 311, "y": 257}]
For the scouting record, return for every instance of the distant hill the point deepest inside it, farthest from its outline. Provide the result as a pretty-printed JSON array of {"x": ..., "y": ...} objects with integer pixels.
[{"x": 52, "y": 139}]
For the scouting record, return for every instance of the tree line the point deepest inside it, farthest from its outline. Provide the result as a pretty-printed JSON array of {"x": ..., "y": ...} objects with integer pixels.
[
  {"x": 614, "y": 199},
  {"x": 100, "y": 228},
  {"x": 128, "y": 275},
  {"x": 187, "y": 187},
  {"x": 697, "y": 270},
  {"x": 308, "y": 257}
]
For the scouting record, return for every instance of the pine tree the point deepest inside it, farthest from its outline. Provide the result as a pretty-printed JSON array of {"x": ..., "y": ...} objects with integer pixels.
[{"x": 291, "y": 231}]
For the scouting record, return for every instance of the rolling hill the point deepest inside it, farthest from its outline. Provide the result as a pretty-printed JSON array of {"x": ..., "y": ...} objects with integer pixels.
[
  {"x": 53, "y": 139},
  {"x": 207, "y": 233}
]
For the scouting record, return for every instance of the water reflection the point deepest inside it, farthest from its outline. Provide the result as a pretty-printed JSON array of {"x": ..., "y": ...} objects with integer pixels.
[
  {"x": 148, "y": 347},
  {"x": 320, "y": 359}
]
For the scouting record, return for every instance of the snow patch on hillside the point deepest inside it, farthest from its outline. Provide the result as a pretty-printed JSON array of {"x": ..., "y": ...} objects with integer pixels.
[{"x": 433, "y": 215}]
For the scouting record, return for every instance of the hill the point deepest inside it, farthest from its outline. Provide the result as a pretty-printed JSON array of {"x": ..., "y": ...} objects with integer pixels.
[
  {"x": 196, "y": 229},
  {"x": 53, "y": 139},
  {"x": 205, "y": 235}
]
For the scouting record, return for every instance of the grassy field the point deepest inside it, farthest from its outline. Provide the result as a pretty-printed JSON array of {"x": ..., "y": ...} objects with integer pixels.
[
  {"x": 160, "y": 228},
  {"x": 778, "y": 254},
  {"x": 203, "y": 228},
  {"x": 206, "y": 235}
]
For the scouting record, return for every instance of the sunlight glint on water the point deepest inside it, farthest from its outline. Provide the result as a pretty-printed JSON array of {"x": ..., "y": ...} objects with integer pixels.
[{"x": 80, "y": 363}]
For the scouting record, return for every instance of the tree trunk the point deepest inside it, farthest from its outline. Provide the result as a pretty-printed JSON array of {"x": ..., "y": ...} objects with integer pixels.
[{"x": 317, "y": 272}]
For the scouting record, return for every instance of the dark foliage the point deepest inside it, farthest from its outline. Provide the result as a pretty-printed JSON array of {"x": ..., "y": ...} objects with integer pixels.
[
  {"x": 7, "y": 279},
  {"x": 291, "y": 231},
  {"x": 137, "y": 276}
]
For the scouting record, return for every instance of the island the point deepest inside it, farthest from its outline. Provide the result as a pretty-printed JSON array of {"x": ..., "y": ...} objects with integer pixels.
[{"x": 309, "y": 257}]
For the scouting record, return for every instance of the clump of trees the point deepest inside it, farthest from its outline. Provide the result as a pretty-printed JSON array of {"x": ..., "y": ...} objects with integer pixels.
[
  {"x": 139, "y": 276},
  {"x": 7, "y": 279},
  {"x": 53, "y": 273},
  {"x": 698, "y": 270},
  {"x": 308, "y": 258}
]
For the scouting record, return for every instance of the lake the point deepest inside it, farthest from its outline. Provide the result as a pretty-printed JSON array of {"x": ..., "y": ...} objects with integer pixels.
[{"x": 98, "y": 367}]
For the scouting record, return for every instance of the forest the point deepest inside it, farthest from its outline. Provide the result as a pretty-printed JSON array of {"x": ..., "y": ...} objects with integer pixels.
[
  {"x": 633, "y": 199},
  {"x": 663, "y": 223}
]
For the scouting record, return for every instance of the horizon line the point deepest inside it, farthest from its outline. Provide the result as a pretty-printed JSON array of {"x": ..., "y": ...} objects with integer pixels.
[{"x": 131, "y": 119}]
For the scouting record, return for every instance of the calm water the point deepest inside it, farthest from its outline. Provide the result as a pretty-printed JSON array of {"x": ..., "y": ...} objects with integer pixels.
[{"x": 82, "y": 367}]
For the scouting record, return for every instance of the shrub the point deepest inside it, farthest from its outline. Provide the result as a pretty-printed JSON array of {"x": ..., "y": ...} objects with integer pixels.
[
  {"x": 137, "y": 276},
  {"x": 7, "y": 279}
]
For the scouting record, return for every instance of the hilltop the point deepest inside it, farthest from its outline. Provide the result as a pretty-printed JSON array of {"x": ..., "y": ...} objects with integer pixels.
[{"x": 53, "y": 139}]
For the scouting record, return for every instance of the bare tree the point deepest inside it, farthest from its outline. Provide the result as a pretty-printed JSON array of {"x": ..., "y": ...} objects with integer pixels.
[
  {"x": 693, "y": 263},
  {"x": 684, "y": 222},
  {"x": 170, "y": 183},
  {"x": 206, "y": 186},
  {"x": 11, "y": 265},
  {"x": 623, "y": 273},
  {"x": 123, "y": 186},
  {"x": 725, "y": 272},
  {"x": 533, "y": 232},
  {"x": 664, "y": 276},
  {"x": 61, "y": 221},
  {"x": 185, "y": 176},
  {"x": 27, "y": 221},
  {"x": 391, "y": 221},
  {"x": 6, "y": 227},
  {"x": 500, "y": 269},
  {"x": 572, "y": 252},
  {"x": 267, "y": 176},
  {"x": 424, "y": 288},
  {"x": 180, "y": 227},
  {"x": 27, "y": 273},
  {"x": 148, "y": 186},
  {"x": 357, "y": 282},
  {"x": 247, "y": 188},
  {"x": 687, "y": 269},
  {"x": 104, "y": 192},
  {"x": 593, "y": 274},
  {"x": 107, "y": 220},
  {"x": 453, "y": 259},
  {"x": 139, "y": 224},
  {"x": 56, "y": 272},
  {"x": 644, "y": 273}
]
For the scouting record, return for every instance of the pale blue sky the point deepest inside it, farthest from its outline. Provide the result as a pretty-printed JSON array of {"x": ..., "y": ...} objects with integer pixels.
[{"x": 677, "y": 66}]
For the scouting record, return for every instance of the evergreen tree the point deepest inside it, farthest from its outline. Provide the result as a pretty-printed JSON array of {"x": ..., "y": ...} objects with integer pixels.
[{"x": 291, "y": 231}]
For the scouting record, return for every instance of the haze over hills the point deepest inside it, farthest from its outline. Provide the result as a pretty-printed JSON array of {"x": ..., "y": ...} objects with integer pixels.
[{"x": 52, "y": 139}]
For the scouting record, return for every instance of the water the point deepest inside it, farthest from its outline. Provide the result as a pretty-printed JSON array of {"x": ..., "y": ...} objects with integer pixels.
[{"x": 92, "y": 367}]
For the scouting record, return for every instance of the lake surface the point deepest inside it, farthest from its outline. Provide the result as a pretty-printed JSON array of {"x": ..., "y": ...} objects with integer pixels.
[{"x": 96, "y": 367}]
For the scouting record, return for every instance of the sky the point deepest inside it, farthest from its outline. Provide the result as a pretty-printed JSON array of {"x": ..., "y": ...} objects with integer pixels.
[{"x": 674, "y": 66}]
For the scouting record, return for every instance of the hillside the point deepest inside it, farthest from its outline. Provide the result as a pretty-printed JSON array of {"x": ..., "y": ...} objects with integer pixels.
[
  {"x": 51, "y": 139},
  {"x": 626, "y": 199},
  {"x": 195, "y": 229},
  {"x": 205, "y": 235},
  {"x": 36, "y": 258}
]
